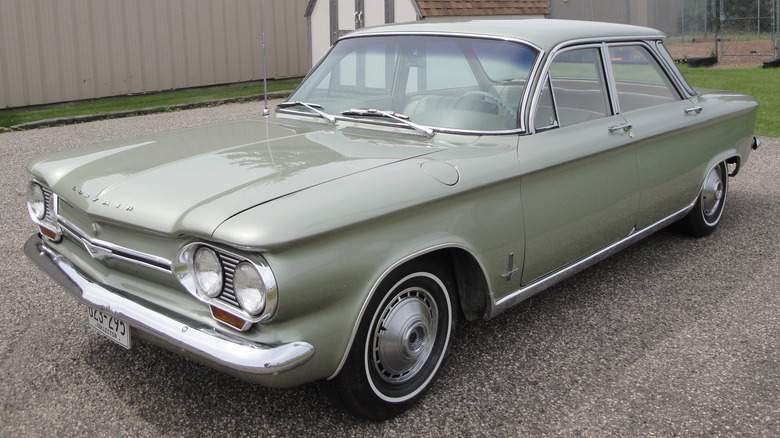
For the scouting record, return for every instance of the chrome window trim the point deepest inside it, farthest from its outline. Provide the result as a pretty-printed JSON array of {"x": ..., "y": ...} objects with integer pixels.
[
  {"x": 522, "y": 129},
  {"x": 672, "y": 71},
  {"x": 545, "y": 81},
  {"x": 609, "y": 72},
  {"x": 664, "y": 68},
  {"x": 405, "y": 127},
  {"x": 604, "y": 43},
  {"x": 545, "y": 71}
]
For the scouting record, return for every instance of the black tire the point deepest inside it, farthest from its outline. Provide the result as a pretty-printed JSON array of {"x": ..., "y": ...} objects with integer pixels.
[
  {"x": 708, "y": 210},
  {"x": 400, "y": 344}
]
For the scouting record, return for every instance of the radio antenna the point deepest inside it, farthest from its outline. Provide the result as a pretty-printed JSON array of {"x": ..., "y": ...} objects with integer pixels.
[{"x": 265, "y": 63}]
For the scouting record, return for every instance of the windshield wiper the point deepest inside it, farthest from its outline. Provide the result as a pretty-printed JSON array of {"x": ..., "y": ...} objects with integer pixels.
[
  {"x": 371, "y": 112},
  {"x": 312, "y": 106}
]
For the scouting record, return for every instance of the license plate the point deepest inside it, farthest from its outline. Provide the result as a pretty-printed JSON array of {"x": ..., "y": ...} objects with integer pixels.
[{"x": 110, "y": 326}]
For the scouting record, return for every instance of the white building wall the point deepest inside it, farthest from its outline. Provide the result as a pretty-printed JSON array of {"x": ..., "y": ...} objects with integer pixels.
[
  {"x": 374, "y": 13},
  {"x": 320, "y": 30},
  {"x": 405, "y": 11},
  {"x": 62, "y": 50}
]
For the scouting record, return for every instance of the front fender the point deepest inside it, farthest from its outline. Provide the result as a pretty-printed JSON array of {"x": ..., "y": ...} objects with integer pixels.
[{"x": 331, "y": 246}]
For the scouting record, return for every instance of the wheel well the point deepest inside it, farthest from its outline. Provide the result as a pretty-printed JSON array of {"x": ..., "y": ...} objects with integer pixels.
[
  {"x": 470, "y": 282},
  {"x": 733, "y": 165}
]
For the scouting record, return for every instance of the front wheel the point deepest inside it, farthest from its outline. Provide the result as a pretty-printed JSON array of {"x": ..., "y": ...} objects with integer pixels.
[
  {"x": 708, "y": 210},
  {"x": 400, "y": 345}
]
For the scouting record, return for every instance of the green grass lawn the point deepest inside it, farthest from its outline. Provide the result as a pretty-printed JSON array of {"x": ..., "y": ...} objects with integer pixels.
[
  {"x": 762, "y": 83},
  {"x": 15, "y": 116}
]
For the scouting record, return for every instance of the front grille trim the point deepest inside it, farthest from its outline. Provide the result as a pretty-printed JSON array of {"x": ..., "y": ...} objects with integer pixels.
[{"x": 100, "y": 249}]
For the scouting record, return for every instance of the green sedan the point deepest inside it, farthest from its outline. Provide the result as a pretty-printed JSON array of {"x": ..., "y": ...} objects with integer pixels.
[{"x": 422, "y": 174}]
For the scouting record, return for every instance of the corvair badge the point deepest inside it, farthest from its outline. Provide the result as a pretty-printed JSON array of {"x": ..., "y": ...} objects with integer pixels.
[{"x": 107, "y": 203}]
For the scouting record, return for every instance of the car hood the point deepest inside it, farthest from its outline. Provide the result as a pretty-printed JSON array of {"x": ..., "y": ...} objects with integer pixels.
[{"x": 192, "y": 180}]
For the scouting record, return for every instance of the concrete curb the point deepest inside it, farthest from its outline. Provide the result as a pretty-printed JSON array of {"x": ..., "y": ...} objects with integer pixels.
[{"x": 141, "y": 111}]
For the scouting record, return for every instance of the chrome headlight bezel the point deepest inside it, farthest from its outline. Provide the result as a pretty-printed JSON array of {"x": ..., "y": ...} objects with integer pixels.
[
  {"x": 227, "y": 297},
  {"x": 36, "y": 201},
  {"x": 42, "y": 207}
]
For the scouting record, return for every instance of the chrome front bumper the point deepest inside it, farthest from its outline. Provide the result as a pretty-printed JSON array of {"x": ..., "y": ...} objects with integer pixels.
[{"x": 222, "y": 350}]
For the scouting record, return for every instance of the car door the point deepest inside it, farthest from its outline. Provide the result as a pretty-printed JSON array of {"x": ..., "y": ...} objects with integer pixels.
[
  {"x": 665, "y": 126},
  {"x": 579, "y": 188}
]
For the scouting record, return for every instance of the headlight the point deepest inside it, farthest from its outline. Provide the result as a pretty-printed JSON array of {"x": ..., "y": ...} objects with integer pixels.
[
  {"x": 249, "y": 288},
  {"x": 239, "y": 287},
  {"x": 208, "y": 272},
  {"x": 36, "y": 202}
]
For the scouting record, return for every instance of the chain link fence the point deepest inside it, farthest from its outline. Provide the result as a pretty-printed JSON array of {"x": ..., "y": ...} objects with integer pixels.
[
  {"x": 696, "y": 28},
  {"x": 744, "y": 21}
]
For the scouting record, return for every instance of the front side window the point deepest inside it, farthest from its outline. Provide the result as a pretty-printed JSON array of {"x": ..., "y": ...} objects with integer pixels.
[
  {"x": 639, "y": 79},
  {"x": 578, "y": 89},
  {"x": 545, "y": 111},
  {"x": 454, "y": 83}
]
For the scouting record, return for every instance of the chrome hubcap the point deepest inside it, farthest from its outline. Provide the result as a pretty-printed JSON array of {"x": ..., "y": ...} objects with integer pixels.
[
  {"x": 712, "y": 192},
  {"x": 404, "y": 335}
]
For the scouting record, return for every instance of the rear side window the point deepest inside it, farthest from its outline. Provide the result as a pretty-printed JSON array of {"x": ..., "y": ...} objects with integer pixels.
[{"x": 639, "y": 79}]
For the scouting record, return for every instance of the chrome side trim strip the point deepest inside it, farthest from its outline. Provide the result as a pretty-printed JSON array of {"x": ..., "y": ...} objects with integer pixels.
[
  {"x": 174, "y": 331},
  {"x": 558, "y": 276}
]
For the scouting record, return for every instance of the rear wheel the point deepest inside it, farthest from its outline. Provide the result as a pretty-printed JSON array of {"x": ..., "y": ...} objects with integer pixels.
[
  {"x": 400, "y": 345},
  {"x": 708, "y": 210}
]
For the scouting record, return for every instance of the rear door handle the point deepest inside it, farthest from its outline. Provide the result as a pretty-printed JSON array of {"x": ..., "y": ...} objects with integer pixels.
[
  {"x": 625, "y": 127},
  {"x": 693, "y": 110}
]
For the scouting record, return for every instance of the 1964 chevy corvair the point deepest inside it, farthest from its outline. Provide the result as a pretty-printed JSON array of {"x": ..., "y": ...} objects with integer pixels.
[{"x": 419, "y": 173}]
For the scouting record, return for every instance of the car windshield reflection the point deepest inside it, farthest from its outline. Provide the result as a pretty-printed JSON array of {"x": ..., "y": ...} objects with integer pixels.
[{"x": 453, "y": 83}]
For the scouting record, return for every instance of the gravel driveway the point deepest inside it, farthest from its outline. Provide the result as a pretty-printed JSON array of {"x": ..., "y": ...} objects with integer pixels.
[{"x": 674, "y": 336}]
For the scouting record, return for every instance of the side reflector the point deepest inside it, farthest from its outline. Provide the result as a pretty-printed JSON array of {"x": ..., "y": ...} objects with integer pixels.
[
  {"x": 48, "y": 233},
  {"x": 229, "y": 318}
]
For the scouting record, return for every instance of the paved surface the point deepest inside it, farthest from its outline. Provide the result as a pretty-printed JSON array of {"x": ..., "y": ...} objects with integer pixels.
[{"x": 673, "y": 336}]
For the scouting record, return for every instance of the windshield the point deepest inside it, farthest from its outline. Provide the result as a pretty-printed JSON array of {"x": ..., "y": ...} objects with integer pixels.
[{"x": 454, "y": 83}]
